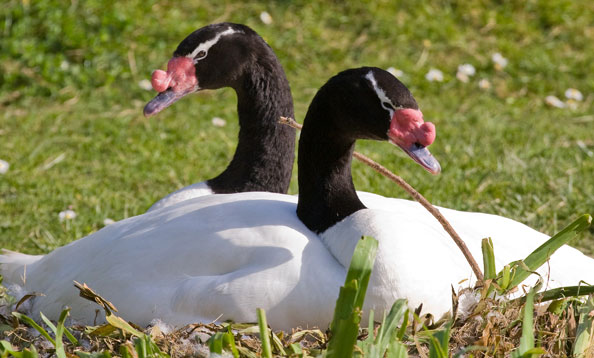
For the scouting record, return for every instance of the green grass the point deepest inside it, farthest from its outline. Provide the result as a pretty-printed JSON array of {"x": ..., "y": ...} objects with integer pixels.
[{"x": 69, "y": 74}]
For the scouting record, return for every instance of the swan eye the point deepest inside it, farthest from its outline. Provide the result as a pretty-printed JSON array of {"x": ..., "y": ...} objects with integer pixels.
[
  {"x": 200, "y": 55},
  {"x": 388, "y": 106}
]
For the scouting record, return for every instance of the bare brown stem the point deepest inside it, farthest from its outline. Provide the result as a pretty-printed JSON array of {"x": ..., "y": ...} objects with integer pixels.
[{"x": 417, "y": 196}]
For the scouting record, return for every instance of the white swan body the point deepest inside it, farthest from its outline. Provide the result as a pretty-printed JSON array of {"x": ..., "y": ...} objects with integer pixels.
[
  {"x": 219, "y": 256},
  {"x": 512, "y": 240},
  {"x": 223, "y": 256},
  {"x": 419, "y": 261}
]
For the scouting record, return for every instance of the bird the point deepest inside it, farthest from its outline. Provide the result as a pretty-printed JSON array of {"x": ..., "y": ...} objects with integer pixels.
[
  {"x": 220, "y": 257},
  {"x": 233, "y": 55}
]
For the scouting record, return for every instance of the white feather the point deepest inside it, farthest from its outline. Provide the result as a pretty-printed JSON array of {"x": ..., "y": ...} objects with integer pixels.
[
  {"x": 223, "y": 256},
  {"x": 185, "y": 193}
]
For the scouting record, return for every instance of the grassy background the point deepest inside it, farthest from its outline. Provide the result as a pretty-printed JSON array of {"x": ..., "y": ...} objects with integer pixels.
[{"x": 72, "y": 129}]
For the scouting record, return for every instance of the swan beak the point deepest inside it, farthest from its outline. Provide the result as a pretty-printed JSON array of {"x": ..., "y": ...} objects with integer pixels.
[
  {"x": 421, "y": 155},
  {"x": 413, "y": 135},
  {"x": 179, "y": 80},
  {"x": 162, "y": 101}
]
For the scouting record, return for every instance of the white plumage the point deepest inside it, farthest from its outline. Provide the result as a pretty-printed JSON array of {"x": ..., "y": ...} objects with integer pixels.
[
  {"x": 223, "y": 256},
  {"x": 191, "y": 191}
]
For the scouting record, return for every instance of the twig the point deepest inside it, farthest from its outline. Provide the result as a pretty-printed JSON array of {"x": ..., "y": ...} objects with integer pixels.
[{"x": 417, "y": 196}]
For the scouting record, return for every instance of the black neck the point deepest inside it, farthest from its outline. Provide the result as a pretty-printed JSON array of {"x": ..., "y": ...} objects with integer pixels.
[
  {"x": 326, "y": 190},
  {"x": 263, "y": 160}
]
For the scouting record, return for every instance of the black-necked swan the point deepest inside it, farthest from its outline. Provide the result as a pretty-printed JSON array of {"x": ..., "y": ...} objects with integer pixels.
[
  {"x": 222, "y": 256},
  {"x": 233, "y": 55}
]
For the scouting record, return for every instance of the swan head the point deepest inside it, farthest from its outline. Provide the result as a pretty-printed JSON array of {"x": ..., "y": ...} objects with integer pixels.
[
  {"x": 407, "y": 129},
  {"x": 370, "y": 103},
  {"x": 211, "y": 57}
]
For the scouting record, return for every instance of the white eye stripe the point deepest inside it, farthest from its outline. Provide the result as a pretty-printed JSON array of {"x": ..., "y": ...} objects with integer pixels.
[
  {"x": 381, "y": 94},
  {"x": 206, "y": 45}
]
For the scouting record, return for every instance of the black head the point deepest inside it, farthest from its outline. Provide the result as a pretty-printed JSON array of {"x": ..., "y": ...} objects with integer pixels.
[
  {"x": 222, "y": 52},
  {"x": 211, "y": 57},
  {"x": 370, "y": 103}
]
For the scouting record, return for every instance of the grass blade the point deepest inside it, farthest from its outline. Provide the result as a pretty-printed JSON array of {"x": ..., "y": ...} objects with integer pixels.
[
  {"x": 488, "y": 259},
  {"x": 396, "y": 350},
  {"x": 439, "y": 343},
  {"x": 62, "y": 327},
  {"x": 215, "y": 343},
  {"x": 386, "y": 342},
  {"x": 48, "y": 322},
  {"x": 527, "y": 339},
  {"x": 230, "y": 342},
  {"x": 278, "y": 345},
  {"x": 6, "y": 348},
  {"x": 526, "y": 348},
  {"x": 390, "y": 329},
  {"x": 104, "y": 354},
  {"x": 123, "y": 325},
  {"x": 34, "y": 324},
  {"x": 141, "y": 348},
  {"x": 560, "y": 292},
  {"x": 126, "y": 350},
  {"x": 143, "y": 345},
  {"x": 403, "y": 325},
  {"x": 370, "y": 328},
  {"x": 506, "y": 277},
  {"x": 59, "y": 331},
  {"x": 266, "y": 349},
  {"x": 70, "y": 337},
  {"x": 584, "y": 342},
  {"x": 539, "y": 256},
  {"x": 296, "y": 350},
  {"x": 347, "y": 313}
]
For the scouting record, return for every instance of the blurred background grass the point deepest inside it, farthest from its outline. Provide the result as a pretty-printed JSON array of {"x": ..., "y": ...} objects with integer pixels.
[{"x": 72, "y": 130}]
